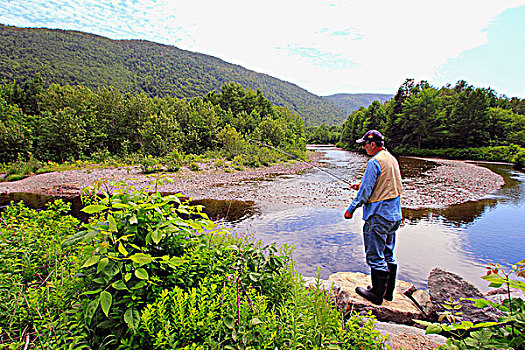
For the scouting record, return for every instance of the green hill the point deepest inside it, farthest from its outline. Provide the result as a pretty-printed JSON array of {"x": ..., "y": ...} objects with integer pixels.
[
  {"x": 350, "y": 102},
  {"x": 134, "y": 66}
]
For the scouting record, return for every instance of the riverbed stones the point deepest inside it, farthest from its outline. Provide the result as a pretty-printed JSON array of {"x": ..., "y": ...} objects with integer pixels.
[
  {"x": 443, "y": 285},
  {"x": 401, "y": 310}
]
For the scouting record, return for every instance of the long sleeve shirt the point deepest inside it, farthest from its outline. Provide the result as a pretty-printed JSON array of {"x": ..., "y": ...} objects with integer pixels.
[{"x": 390, "y": 209}]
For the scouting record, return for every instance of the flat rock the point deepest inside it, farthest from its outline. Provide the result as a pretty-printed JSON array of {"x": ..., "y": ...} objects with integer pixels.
[
  {"x": 409, "y": 338},
  {"x": 401, "y": 310}
]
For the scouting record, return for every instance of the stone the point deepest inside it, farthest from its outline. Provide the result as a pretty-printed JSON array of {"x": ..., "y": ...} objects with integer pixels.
[
  {"x": 443, "y": 285},
  {"x": 401, "y": 310},
  {"x": 406, "y": 337}
]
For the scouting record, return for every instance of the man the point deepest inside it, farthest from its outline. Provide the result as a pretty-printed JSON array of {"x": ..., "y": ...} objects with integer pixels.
[{"x": 380, "y": 195}]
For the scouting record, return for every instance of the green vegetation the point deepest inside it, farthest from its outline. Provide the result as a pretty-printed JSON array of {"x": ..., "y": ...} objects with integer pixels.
[
  {"x": 142, "y": 67},
  {"x": 507, "y": 333},
  {"x": 323, "y": 134},
  {"x": 457, "y": 122},
  {"x": 72, "y": 123},
  {"x": 153, "y": 272}
]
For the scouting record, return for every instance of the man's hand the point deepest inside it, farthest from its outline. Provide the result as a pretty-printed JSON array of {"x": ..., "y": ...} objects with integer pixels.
[
  {"x": 355, "y": 186},
  {"x": 348, "y": 215}
]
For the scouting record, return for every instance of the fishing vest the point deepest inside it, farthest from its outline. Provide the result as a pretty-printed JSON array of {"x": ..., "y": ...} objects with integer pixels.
[{"x": 388, "y": 184}]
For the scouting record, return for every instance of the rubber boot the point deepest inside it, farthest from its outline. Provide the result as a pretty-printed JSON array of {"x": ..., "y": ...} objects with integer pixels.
[
  {"x": 376, "y": 293},
  {"x": 391, "y": 285}
]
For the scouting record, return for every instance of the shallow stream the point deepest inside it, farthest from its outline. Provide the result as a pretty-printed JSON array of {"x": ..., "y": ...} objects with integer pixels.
[{"x": 460, "y": 238}]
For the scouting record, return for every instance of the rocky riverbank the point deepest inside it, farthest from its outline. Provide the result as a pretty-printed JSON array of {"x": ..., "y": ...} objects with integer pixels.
[{"x": 445, "y": 183}]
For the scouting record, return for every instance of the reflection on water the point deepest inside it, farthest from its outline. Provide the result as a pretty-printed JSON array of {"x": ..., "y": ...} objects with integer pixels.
[
  {"x": 461, "y": 238},
  {"x": 231, "y": 210}
]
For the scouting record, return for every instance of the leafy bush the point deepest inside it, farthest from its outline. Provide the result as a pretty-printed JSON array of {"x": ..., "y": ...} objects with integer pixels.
[
  {"x": 507, "y": 333},
  {"x": 149, "y": 165},
  {"x": 37, "y": 290},
  {"x": 155, "y": 272}
]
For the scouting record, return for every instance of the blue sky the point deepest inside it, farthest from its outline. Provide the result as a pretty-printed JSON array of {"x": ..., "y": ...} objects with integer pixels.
[{"x": 324, "y": 46}]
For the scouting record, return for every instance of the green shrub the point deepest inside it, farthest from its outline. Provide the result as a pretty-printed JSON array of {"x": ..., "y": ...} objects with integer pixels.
[
  {"x": 155, "y": 272},
  {"x": 194, "y": 167},
  {"x": 150, "y": 165}
]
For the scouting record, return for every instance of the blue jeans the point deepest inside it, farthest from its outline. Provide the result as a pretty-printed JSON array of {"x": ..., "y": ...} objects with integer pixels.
[{"x": 379, "y": 236}]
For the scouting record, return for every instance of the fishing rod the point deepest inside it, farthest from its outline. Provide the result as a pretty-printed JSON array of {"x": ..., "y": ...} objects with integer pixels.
[{"x": 302, "y": 160}]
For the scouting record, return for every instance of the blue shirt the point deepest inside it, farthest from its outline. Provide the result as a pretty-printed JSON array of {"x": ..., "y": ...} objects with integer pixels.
[{"x": 390, "y": 209}]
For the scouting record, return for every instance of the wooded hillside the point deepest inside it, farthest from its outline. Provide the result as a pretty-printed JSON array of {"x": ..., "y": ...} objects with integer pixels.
[{"x": 135, "y": 66}]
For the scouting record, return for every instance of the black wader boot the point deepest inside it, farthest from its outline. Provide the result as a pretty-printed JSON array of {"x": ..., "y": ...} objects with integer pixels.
[
  {"x": 376, "y": 293},
  {"x": 392, "y": 271}
]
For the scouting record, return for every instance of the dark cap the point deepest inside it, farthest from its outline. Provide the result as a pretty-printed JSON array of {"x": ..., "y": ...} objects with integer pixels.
[{"x": 371, "y": 135}]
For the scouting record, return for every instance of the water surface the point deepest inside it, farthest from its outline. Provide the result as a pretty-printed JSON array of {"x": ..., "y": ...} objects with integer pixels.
[{"x": 462, "y": 238}]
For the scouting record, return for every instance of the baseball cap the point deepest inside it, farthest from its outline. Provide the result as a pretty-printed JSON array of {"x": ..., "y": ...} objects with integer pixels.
[{"x": 371, "y": 135}]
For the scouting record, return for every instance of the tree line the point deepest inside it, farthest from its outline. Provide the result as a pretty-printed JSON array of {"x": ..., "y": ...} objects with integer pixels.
[
  {"x": 421, "y": 118},
  {"x": 64, "y": 122}
]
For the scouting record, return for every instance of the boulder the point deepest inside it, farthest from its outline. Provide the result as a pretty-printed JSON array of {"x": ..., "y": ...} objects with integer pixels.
[
  {"x": 443, "y": 285},
  {"x": 401, "y": 310}
]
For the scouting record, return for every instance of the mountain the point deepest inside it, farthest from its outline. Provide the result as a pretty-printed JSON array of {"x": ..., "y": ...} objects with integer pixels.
[
  {"x": 135, "y": 66},
  {"x": 350, "y": 102}
]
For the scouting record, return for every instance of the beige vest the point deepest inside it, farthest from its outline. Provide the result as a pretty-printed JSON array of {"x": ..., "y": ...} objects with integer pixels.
[{"x": 388, "y": 184}]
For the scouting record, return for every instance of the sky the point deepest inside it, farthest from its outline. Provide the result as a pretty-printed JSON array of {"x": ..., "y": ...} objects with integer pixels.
[{"x": 323, "y": 46}]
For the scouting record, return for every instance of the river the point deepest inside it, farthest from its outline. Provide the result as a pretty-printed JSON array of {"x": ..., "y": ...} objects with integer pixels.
[
  {"x": 462, "y": 238},
  {"x": 306, "y": 211}
]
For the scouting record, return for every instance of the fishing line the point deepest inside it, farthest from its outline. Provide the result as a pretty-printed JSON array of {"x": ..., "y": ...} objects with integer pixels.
[{"x": 295, "y": 157}]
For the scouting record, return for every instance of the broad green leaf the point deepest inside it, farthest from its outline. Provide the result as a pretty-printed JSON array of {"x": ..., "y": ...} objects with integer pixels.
[
  {"x": 121, "y": 206},
  {"x": 132, "y": 318},
  {"x": 90, "y": 292},
  {"x": 127, "y": 277},
  {"x": 141, "y": 274},
  {"x": 433, "y": 329},
  {"x": 176, "y": 261},
  {"x": 156, "y": 236},
  {"x": 105, "y": 302},
  {"x": 121, "y": 249},
  {"x": 254, "y": 276},
  {"x": 334, "y": 347},
  {"x": 139, "y": 285},
  {"x": 77, "y": 237},
  {"x": 141, "y": 258},
  {"x": 92, "y": 209},
  {"x": 229, "y": 322},
  {"x": 133, "y": 220},
  {"x": 90, "y": 310},
  {"x": 111, "y": 270},
  {"x": 255, "y": 321},
  {"x": 102, "y": 264},
  {"x": 119, "y": 285},
  {"x": 91, "y": 261},
  {"x": 112, "y": 224}
]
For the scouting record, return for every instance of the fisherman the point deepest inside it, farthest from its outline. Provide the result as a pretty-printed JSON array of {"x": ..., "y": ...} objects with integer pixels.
[{"x": 380, "y": 195}]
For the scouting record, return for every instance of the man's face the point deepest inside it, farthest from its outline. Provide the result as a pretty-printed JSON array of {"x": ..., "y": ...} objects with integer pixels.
[{"x": 367, "y": 146}]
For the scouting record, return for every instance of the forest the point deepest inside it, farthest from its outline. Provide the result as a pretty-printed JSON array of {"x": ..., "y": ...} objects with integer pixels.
[
  {"x": 137, "y": 66},
  {"x": 461, "y": 121},
  {"x": 66, "y": 123}
]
